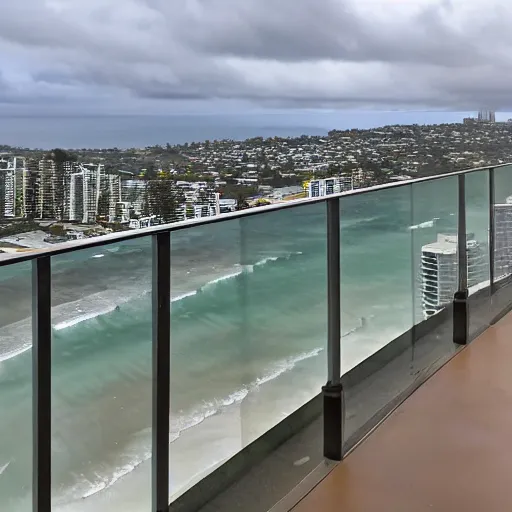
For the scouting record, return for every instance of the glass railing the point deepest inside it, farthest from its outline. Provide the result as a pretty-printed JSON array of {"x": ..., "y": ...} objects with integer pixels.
[{"x": 160, "y": 356}]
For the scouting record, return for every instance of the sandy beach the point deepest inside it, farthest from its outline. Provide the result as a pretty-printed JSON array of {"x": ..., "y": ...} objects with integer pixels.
[{"x": 30, "y": 241}]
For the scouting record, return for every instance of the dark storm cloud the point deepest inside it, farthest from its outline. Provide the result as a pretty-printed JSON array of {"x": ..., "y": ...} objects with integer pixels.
[
  {"x": 369, "y": 53},
  {"x": 292, "y": 30}
]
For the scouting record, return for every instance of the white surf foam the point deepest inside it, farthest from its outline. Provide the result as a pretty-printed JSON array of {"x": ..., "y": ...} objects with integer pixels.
[
  {"x": 9, "y": 355},
  {"x": 246, "y": 269},
  {"x": 183, "y": 296},
  {"x": 96, "y": 487},
  {"x": 218, "y": 280},
  {"x": 93, "y": 306},
  {"x": 180, "y": 425},
  {"x": 266, "y": 260},
  {"x": 79, "y": 319},
  {"x": 348, "y": 223},
  {"x": 424, "y": 225},
  {"x": 198, "y": 416},
  {"x": 16, "y": 338},
  {"x": 4, "y": 467},
  {"x": 285, "y": 366}
]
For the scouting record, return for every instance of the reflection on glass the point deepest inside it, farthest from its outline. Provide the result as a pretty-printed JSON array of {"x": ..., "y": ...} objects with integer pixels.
[
  {"x": 248, "y": 330},
  {"x": 477, "y": 239},
  {"x": 101, "y": 378},
  {"x": 477, "y": 229},
  {"x": 434, "y": 231},
  {"x": 376, "y": 271},
  {"x": 376, "y": 300},
  {"x": 15, "y": 389},
  {"x": 502, "y": 224}
]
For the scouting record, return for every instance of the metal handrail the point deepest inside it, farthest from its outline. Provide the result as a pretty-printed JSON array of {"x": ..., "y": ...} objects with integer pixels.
[{"x": 112, "y": 238}]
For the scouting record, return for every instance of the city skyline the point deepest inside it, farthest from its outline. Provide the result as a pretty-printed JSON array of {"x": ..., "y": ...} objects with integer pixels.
[
  {"x": 85, "y": 193},
  {"x": 166, "y": 183}
]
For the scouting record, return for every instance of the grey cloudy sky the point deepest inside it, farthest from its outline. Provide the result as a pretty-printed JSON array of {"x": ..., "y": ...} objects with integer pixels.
[{"x": 200, "y": 54}]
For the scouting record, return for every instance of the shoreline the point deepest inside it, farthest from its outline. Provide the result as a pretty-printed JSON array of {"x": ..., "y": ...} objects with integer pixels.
[
  {"x": 227, "y": 431},
  {"x": 30, "y": 241}
]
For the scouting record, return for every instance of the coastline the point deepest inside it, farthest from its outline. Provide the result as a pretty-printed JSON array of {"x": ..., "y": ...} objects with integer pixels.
[
  {"x": 226, "y": 432},
  {"x": 31, "y": 241},
  {"x": 262, "y": 370}
]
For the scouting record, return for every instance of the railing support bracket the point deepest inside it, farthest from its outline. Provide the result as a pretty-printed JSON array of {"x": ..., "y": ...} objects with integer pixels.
[
  {"x": 333, "y": 421},
  {"x": 461, "y": 318}
]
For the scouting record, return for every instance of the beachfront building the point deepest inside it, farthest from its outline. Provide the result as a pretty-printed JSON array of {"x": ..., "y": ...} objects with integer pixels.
[
  {"x": 7, "y": 193},
  {"x": 439, "y": 271},
  {"x": 75, "y": 192},
  {"x": 206, "y": 210},
  {"x": 134, "y": 192},
  {"x": 84, "y": 194},
  {"x": 110, "y": 195},
  {"x": 53, "y": 189},
  {"x": 503, "y": 239},
  {"x": 328, "y": 186},
  {"x": 16, "y": 188},
  {"x": 123, "y": 211},
  {"x": 169, "y": 200},
  {"x": 227, "y": 205}
]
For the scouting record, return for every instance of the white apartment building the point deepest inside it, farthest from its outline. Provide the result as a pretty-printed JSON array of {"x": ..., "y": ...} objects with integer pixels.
[
  {"x": 439, "y": 271},
  {"x": 14, "y": 188},
  {"x": 503, "y": 239},
  {"x": 122, "y": 211},
  {"x": 134, "y": 192},
  {"x": 328, "y": 186}
]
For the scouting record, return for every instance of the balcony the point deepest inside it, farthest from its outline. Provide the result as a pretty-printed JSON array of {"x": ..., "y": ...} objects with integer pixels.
[
  {"x": 452, "y": 431},
  {"x": 275, "y": 358}
]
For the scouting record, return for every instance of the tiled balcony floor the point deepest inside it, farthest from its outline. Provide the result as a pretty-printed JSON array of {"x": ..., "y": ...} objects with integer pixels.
[{"x": 447, "y": 448}]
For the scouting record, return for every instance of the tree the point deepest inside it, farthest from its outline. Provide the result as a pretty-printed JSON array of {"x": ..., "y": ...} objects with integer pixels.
[
  {"x": 241, "y": 200},
  {"x": 62, "y": 161},
  {"x": 104, "y": 202},
  {"x": 57, "y": 230},
  {"x": 163, "y": 199}
]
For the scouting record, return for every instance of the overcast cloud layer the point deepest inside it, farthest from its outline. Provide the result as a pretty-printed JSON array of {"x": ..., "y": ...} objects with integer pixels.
[{"x": 437, "y": 54}]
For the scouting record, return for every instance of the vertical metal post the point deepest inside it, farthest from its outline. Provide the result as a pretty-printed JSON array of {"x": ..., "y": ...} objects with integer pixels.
[
  {"x": 161, "y": 305},
  {"x": 414, "y": 270},
  {"x": 492, "y": 225},
  {"x": 460, "y": 301},
  {"x": 244, "y": 225},
  {"x": 41, "y": 384},
  {"x": 333, "y": 390}
]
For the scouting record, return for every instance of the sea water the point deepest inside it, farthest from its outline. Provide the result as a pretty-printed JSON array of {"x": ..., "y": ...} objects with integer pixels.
[{"x": 248, "y": 329}]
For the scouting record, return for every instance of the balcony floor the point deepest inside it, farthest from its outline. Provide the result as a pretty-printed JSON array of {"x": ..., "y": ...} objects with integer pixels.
[{"x": 446, "y": 448}]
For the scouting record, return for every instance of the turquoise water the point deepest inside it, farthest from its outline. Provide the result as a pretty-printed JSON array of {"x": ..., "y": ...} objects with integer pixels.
[{"x": 248, "y": 332}]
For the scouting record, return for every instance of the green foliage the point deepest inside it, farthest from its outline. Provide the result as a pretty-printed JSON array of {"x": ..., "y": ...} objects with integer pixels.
[
  {"x": 235, "y": 191},
  {"x": 57, "y": 230},
  {"x": 163, "y": 198},
  {"x": 17, "y": 228}
]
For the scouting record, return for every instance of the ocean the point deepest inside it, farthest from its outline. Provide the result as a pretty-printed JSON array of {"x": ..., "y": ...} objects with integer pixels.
[
  {"x": 248, "y": 337},
  {"x": 75, "y": 132},
  {"x": 126, "y": 131}
]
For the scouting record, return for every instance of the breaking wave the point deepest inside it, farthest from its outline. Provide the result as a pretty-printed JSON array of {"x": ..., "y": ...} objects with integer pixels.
[
  {"x": 99, "y": 305},
  {"x": 199, "y": 415},
  {"x": 424, "y": 225}
]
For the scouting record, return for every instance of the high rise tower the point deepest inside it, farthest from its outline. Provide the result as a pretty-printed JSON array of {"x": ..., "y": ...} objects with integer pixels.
[{"x": 486, "y": 116}]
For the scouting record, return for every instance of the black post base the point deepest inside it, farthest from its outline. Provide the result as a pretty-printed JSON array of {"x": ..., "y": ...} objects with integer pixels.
[
  {"x": 333, "y": 421},
  {"x": 461, "y": 318}
]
